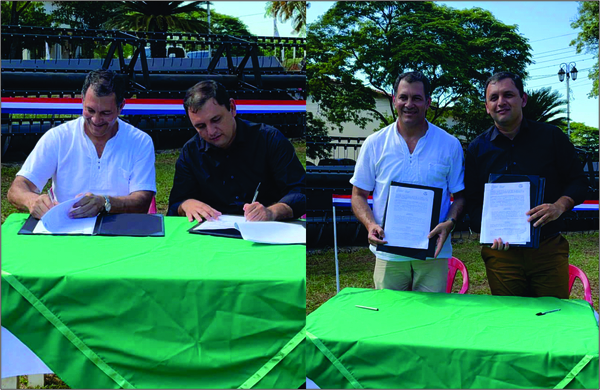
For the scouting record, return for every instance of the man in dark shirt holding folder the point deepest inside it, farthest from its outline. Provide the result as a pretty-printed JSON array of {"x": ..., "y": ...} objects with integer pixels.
[
  {"x": 234, "y": 166},
  {"x": 515, "y": 145}
]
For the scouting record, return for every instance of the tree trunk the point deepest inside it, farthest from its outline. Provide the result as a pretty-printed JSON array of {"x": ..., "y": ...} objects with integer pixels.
[{"x": 159, "y": 49}]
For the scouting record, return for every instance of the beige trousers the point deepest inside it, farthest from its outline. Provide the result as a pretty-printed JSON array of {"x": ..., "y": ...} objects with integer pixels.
[{"x": 416, "y": 275}]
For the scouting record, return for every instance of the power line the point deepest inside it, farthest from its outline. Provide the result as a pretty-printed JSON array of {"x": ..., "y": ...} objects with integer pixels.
[
  {"x": 558, "y": 36},
  {"x": 575, "y": 55},
  {"x": 555, "y": 65},
  {"x": 545, "y": 76},
  {"x": 551, "y": 51},
  {"x": 556, "y": 53}
]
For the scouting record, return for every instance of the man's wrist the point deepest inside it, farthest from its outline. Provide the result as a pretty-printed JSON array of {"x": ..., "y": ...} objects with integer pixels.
[{"x": 453, "y": 222}]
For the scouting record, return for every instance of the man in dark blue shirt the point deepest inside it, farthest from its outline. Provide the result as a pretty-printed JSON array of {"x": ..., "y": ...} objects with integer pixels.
[
  {"x": 516, "y": 145},
  {"x": 221, "y": 168}
]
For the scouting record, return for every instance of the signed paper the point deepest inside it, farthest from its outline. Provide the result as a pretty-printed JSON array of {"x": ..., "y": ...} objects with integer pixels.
[
  {"x": 57, "y": 221},
  {"x": 265, "y": 232},
  {"x": 223, "y": 222},
  {"x": 408, "y": 217},
  {"x": 504, "y": 208}
]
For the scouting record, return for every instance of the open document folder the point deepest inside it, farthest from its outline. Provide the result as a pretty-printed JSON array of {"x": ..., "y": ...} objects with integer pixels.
[
  {"x": 506, "y": 199},
  {"x": 411, "y": 212},
  {"x": 57, "y": 222},
  {"x": 264, "y": 232}
]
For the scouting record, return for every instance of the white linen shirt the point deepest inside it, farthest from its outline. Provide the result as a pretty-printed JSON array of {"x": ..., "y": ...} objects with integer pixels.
[
  {"x": 67, "y": 155},
  {"x": 437, "y": 161}
]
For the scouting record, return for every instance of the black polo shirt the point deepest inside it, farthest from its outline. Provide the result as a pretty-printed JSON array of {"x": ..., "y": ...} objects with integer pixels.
[
  {"x": 226, "y": 179},
  {"x": 537, "y": 149}
]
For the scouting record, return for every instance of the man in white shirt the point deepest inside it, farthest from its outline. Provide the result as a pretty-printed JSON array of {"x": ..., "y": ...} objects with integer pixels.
[
  {"x": 97, "y": 155},
  {"x": 411, "y": 151}
]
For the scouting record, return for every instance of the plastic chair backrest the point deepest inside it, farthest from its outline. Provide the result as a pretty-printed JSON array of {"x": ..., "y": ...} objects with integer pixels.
[
  {"x": 454, "y": 265},
  {"x": 574, "y": 273},
  {"x": 152, "y": 209}
]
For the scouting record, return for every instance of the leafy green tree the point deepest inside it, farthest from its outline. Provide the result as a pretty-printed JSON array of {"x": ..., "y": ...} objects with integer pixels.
[
  {"x": 158, "y": 16},
  {"x": 316, "y": 131},
  {"x": 24, "y": 13},
  {"x": 585, "y": 137},
  {"x": 466, "y": 119},
  {"x": 229, "y": 25},
  {"x": 357, "y": 46},
  {"x": 286, "y": 10},
  {"x": 84, "y": 15},
  {"x": 545, "y": 105},
  {"x": 587, "y": 39}
]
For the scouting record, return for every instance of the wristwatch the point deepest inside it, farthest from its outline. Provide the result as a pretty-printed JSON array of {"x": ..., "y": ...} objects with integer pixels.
[
  {"x": 453, "y": 222},
  {"x": 107, "y": 205}
]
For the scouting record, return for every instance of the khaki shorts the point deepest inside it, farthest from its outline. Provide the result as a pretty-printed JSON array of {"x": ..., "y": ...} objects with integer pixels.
[{"x": 415, "y": 275}]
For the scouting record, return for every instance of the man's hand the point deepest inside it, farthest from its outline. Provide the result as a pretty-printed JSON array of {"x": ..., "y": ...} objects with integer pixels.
[
  {"x": 40, "y": 206},
  {"x": 376, "y": 235},
  {"x": 196, "y": 210},
  {"x": 442, "y": 230},
  {"x": 499, "y": 245},
  {"x": 544, "y": 213},
  {"x": 257, "y": 212},
  {"x": 89, "y": 206}
]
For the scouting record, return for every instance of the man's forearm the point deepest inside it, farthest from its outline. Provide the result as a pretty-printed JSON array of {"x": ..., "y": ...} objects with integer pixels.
[
  {"x": 21, "y": 195},
  {"x": 457, "y": 208},
  {"x": 564, "y": 204},
  {"x": 136, "y": 202},
  {"x": 281, "y": 211},
  {"x": 362, "y": 211}
]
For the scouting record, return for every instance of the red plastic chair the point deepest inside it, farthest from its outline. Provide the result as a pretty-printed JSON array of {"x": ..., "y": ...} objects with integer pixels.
[
  {"x": 454, "y": 265},
  {"x": 152, "y": 209},
  {"x": 575, "y": 273}
]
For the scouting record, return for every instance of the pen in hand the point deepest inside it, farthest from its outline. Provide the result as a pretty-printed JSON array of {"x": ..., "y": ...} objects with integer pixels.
[
  {"x": 51, "y": 195},
  {"x": 255, "y": 193}
]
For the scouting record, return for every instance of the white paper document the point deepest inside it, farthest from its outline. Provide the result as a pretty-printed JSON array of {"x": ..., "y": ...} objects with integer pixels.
[
  {"x": 264, "y": 232},
  {"x": 57, "y": 221},
  {"x": 503, "y": 216},
  {"x": 272, "y": 232},
  {"x": 408, "y": 217},
  {"x": 224, "y": 222}
]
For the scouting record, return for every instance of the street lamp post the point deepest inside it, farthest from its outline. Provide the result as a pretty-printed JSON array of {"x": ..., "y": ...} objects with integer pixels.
[{"x": 570, "y": 71}]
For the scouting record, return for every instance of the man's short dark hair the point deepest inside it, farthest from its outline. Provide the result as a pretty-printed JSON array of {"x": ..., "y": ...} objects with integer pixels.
[
  {"x": 202, "y": 92},
  {"x": 412, "y": 77},
  {"x": 505, "y": 75},
  {"x": 104, "y": 82}
]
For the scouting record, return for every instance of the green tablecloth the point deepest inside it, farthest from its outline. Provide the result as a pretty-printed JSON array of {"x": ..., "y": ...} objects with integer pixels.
[
  {"x": 433, "y": 340},
  {"x": 180, "y": 311}
]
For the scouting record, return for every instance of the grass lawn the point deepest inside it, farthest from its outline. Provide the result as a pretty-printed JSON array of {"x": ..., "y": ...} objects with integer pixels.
[{"x": 357, "y": 264}]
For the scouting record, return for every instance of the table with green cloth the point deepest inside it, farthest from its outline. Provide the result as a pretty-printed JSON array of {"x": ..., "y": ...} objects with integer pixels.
[
  {"x": 180, "y": 311},
  {"x": 438, "y": 340}
]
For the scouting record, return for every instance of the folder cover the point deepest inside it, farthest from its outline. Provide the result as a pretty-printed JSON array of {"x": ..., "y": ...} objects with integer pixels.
[
  {"x": 420, "y": 254},
  {"x": 133, "y": 225}
]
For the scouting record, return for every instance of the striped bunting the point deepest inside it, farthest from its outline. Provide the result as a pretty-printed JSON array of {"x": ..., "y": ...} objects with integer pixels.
[{"x": 142, "y": 106}]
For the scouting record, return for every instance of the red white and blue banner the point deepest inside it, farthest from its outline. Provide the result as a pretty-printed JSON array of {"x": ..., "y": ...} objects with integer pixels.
[
  {"x": 345, "y": 201},
  {"x": 12, "y": 105},
  {"x": 588, "y": 205}
]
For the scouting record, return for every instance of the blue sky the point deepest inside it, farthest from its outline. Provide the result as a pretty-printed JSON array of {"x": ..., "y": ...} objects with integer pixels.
[
  {"x": 547, "y": 26},
  {"x": 252, "y": 13}
]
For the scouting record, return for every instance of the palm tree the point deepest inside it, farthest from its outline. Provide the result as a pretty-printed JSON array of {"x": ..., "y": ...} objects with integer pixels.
[
  {"x": 158, "y": 16},
  {"x": 285, "y": 10},
  {"x": 545, "y": 105}
]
